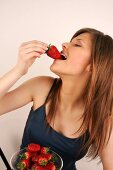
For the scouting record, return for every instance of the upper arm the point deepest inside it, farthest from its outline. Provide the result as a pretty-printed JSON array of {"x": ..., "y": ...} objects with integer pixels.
[
  {"x": 17, "y": 97},
  {"x": 107, "y": 155},
  {"x": 23, "y": 94}
]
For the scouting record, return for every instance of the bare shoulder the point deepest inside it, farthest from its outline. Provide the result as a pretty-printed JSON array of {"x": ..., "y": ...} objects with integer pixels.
[
  {"x": 41, "y": 86},
  {"x": 41, "y": 83}
]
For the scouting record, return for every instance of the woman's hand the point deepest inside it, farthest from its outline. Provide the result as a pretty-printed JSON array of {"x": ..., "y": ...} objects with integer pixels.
[{"x": 28, "y": 52}]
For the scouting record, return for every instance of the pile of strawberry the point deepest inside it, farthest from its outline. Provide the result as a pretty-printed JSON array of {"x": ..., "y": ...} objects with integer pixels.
[{"x": 36, "y": 158}]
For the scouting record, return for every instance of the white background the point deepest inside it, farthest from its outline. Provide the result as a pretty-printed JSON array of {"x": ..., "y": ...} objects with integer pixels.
[{"x": 51, "y": 21}]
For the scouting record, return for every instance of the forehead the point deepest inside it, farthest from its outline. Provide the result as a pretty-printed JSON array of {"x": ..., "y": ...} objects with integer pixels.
[{"x": 84, "y": 38}]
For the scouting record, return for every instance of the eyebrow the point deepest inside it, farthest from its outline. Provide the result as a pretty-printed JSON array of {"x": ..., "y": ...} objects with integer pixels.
[{"x": 78, "y": 39}]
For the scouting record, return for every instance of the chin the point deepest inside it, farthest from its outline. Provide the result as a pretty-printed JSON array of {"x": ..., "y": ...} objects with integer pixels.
[
  {"x": 52, "y": 68},
  {"x": 55, "y": 71}
]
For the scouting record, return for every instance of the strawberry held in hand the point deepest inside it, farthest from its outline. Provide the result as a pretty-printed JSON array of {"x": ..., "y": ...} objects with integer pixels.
[{"x": 53, "y": 52}]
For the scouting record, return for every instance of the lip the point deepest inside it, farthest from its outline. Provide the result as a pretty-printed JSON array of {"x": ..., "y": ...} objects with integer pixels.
[
  {"x": 63, "y": 56},
  {"x": 57, "y": 60}
]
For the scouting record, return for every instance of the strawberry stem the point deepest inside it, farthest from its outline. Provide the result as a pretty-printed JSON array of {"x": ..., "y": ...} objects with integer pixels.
[{"x": 48, "y": 48}]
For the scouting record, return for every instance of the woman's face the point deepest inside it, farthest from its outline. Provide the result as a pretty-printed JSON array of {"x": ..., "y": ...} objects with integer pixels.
[{"x": 78, "y": 57}]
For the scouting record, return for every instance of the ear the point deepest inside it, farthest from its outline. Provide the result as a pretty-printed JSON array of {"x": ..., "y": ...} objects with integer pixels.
[{"x": 88, "y": 68}]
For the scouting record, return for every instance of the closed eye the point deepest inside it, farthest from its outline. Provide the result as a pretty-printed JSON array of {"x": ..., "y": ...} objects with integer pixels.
[{"x": 77, "y": 45}]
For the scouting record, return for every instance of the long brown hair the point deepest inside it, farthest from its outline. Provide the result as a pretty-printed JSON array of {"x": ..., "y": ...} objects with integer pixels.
[{"x": 98, "y": 113}]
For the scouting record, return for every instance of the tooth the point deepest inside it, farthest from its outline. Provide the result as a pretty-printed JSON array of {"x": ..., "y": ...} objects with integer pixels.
[{"x": 64, "y": 55}]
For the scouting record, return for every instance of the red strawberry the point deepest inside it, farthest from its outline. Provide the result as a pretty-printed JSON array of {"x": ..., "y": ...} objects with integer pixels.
[
  {"x": 33, "y": 167},
  {"x": 44, "y": 150},
  {"x": 50, "y": 166},
  {"x": 23, "y": 164},
  {"x": 26, "y": 155},
  {"x": 42, "y": 160},
  {"x": 32, "y": 147},
  {"x": 48, "y": 156},
  {"x": 53, "y": 52},
  {"x": 37, "y": 167},
  {"x": 35, "y": 158}
]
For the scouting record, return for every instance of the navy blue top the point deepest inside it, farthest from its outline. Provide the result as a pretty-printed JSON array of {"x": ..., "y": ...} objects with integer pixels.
[{"x": 36, "y": 131}]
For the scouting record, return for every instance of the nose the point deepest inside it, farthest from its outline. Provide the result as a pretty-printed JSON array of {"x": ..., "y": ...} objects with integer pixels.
[{"x": 65, "y": 46}]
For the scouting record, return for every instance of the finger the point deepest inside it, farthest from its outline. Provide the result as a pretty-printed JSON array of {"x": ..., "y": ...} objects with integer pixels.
[
  {"x": 35, "y": 42},
  {"x": 44, "y": 47},
  {"x": 32, "y": 55},
  {"x": 36, "y": 49}
]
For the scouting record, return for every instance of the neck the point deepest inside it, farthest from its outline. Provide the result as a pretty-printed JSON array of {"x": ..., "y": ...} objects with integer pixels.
[{"x": 72, "y": 93}]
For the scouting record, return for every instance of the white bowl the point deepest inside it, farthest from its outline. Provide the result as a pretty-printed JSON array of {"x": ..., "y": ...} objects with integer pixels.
[{"x": 15, "y": 159}]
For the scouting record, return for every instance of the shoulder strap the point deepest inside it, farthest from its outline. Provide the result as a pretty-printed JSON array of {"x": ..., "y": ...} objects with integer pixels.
[{"x": 54, "y": 82}]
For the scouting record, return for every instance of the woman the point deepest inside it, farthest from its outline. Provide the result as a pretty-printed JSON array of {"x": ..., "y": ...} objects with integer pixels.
[{"x": 76, "y": 108}]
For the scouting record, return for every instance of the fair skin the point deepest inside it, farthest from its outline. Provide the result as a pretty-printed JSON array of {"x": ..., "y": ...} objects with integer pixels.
[{"x": 74, "y": 72}]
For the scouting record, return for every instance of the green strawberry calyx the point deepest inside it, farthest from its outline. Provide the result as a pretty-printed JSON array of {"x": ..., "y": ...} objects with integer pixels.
[
  {"x": 21, "y": 166},
  {"x": 48, "y": 48},
  {"x": 43, "y": 163}
]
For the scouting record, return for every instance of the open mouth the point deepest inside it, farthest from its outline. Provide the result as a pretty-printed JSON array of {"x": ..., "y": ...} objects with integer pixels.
[{"x": 63, "y": 57}]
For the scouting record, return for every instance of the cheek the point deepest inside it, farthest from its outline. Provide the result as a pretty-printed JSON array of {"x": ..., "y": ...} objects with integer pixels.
[{"x": 80, "y": 62}]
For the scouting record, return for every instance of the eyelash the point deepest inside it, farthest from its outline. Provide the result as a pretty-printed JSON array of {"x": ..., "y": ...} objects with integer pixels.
[{"x": 76, "y": 45}]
